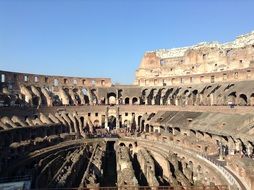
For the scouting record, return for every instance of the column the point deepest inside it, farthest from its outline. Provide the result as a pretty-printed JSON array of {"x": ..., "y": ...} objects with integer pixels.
[
  {"x": 106, "y": 119},
  {"x": 117, "y": 118},
  {"x": 161, "y": 100}
]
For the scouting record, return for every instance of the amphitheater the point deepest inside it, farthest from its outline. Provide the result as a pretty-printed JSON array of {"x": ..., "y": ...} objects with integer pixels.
[{"x": 187, "y": 122}]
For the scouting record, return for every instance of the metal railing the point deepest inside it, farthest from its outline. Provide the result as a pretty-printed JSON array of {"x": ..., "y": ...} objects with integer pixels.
[{"x": 229, "y": 177}]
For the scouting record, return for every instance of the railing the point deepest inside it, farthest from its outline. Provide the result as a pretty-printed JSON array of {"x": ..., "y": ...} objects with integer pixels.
[
  {"x": 232, "y": 181},
  {"x": 218, "y": 187},
  {"x": 230, "y": 178},
  {"x": 226, "y": 174}
]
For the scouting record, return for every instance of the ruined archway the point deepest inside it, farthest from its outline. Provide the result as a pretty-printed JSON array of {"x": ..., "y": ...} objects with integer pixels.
[
  {"x": 127, "y": 100},
  {"x": 111, "y": 98}
]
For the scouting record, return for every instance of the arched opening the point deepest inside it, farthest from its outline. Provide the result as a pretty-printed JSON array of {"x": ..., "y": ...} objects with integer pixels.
[
  {"x": 143, "y": 96},
  {"x": 76, "y": 96},
  {"x": 177, "y": 131},
  {"x": 126, "y": 123},
  {"x": 157, "y": 96},
  {"x": 147, "y": 128},
  {"x": 162, "y": 129},
  {"x": 151, "y": 129},
  {"x": 232, "y": 98},
  {"x": 121, "y": 144},
  {"x": 242, "y": 100},
  {"x": 120, "y": 96},
  {"x": 35, "y": 100},
  {"x": 127, "y": 100},
  {"x": 112, "y": 122},
  {"x": 142, "y": 125},
  {"x": 102, "y": 101},
  {"x": 85, "y": 94},
  {"x": 6, "y": 100},
  {"x": 96, "y": 123},
  {"x": 139, "y": 122},
  {"x": 66, "y": 90},
  {"x": 194, "y": 97},
  {"x": 166, "y": 96},
  {"x": 56, "y": 101},
  {"x": 135, "y": 100},
  {"x": 169, "y": 129},
  {"x": 94, "y": 96},
  {"x": 192, "y": 132},
  {"x": 111, "y": 98}
]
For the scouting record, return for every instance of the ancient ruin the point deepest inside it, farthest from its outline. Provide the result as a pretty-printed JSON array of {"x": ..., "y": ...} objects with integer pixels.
[{"x": 186, "y": 122}]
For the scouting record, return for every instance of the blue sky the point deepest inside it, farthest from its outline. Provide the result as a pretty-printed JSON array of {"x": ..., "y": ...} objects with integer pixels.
[{"x": 108, "y": 38}]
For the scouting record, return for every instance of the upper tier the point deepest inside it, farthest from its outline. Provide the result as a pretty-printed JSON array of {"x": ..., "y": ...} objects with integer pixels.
[
  {"x": 165, "y": 66},
  {"x": 12, "y": 80}
]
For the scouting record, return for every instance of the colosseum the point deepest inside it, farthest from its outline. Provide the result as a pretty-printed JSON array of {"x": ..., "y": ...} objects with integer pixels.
[{"x": 187, "y": 122}]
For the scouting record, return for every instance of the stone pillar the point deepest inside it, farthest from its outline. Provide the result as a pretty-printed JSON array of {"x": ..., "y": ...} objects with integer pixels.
[
  {"x": 153, "y": 101},
  {"x": 249, "y": 149},
  {"x": 221, "y": 151},
  {"x": 146, "y": 101},
  {"x": 117, "y": 118},
  {"x": 161, "y": 100},
  {"x": 133, "y": 121},
  {"x": 168, "y": 101},
  {"x": 106, "y": 119}
]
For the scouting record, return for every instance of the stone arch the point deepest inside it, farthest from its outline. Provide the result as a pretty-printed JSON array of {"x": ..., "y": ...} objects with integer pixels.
[
  {"x": 127, "y": 100},
  {"x": 231, "y": 98},
  {"x": 199, "y": 134},
  {"x": 121, "y": 144},
  {"x": 185, "y": 98},
  {"x": 85, "y": 95},
  {"x": 142, "y": 127},
  {"x": 228, "y": 87},
  {"x": 158, "y": 96},
  {"x": 126, "y": 123},
  {"x": 242, "y": 100},
  {"x": 143, "y": 99},
  {"x": 195, "y": 97},
  {"x": 150, "y": 96},
  {"x": 76, "y": 95},
  {"x": 120, "y": 96},
  {"x": 147, "y": 128},
  {"x": 94, "y": 96},
  {"x": 176, "y": 130},
  {"x": 96, "y": 123},
  {"x": 139, "y": 122},
  {"x": 166, "y": 96},
  {"x": 111, "y": 122},
  {"x": 151, "y": 129},
  {"x": 162, "y": 129},
  {"x": 169, "y": 129},
  {"x": 67, "y": 93},
  {"x": 56, "y": 101},
  {"x": 111, "y": 97},
  {"x": 192, "y": 132},
  {"x": 135, "y": 100}
]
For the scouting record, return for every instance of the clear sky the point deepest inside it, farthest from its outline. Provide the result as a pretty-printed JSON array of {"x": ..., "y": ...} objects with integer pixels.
[{"x": 108, "y": 38}]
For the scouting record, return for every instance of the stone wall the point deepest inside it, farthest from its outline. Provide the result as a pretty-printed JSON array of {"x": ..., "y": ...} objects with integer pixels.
[{"x": 201, "y": 63}]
